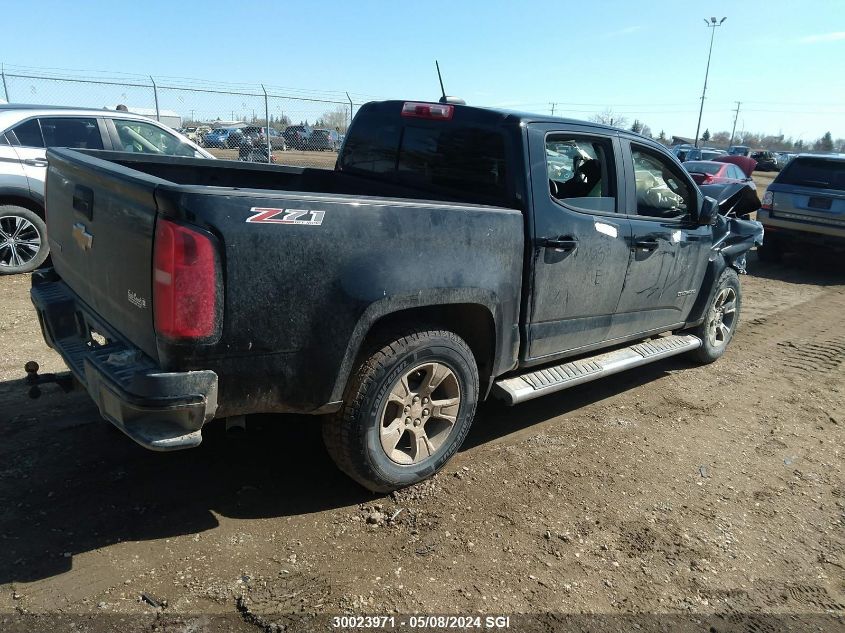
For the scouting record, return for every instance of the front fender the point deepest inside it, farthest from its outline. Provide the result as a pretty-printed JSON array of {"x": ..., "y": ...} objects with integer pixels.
[{"x": 733, "y": 238}]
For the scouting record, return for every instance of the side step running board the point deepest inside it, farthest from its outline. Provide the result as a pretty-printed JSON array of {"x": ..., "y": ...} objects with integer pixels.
[{"x": 539, "y": 382}]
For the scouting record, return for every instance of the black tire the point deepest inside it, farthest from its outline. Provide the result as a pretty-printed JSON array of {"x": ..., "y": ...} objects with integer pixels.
[
  {"x": 29, "y": 248},
  {"x": 770, "y": 251},
  {"x": 353, "y": 436},
  {"x": 714, "y": 345}
]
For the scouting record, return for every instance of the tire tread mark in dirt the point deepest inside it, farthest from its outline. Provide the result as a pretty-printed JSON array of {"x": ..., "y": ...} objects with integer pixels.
[{"x": 813, "y": 356}]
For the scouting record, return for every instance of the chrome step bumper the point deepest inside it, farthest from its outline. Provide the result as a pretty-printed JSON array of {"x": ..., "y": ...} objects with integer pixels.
[{"x": 539, "y": 382}]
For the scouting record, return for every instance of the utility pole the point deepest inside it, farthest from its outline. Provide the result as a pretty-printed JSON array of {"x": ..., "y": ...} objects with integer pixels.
[
  {"x": 712, "y": 23},
  {"x": 736, "y": 116},
  {"x": 553, "y": 104}
]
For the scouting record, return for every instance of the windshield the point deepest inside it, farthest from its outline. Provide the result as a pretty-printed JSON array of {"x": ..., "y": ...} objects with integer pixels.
[
  {"x": 702, "y": 167},
  {"x": 814, "y": 172}
]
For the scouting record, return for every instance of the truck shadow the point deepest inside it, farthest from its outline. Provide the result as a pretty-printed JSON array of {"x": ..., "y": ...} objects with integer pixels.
[
  {"x": 71, "y": 483},
  {"x": 818, "y": 268}
]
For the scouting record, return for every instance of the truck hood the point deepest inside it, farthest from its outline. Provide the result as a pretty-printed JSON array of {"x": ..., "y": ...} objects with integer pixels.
[{"x": 734, "y": 199}]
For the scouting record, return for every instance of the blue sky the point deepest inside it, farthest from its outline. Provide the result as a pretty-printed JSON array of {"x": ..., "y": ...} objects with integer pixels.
[{"x": 783, "y": 60}]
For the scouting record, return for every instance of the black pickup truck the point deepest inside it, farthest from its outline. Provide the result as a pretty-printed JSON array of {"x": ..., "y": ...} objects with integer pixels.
[{"x": 454, "y": 252}]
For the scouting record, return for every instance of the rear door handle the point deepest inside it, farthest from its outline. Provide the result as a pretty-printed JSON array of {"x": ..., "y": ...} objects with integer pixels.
[
  {"x": 646, "y": 245},
  {"x": 564, "y": 244},
  {"x": 35, "y": 162}
]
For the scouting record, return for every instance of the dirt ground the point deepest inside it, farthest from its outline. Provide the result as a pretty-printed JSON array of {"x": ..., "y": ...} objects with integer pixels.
[
  {"x": 325, "y": 160},
  {"x": 673, "y": 489}
]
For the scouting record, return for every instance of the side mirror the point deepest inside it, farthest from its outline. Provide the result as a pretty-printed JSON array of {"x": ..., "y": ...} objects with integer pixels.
[{"x": 708, "y": 212}]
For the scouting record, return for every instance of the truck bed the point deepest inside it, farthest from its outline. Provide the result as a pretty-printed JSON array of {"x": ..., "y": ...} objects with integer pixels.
[
  {"x": 243, "y": 175},
  {"x": 297, "y": 297}
]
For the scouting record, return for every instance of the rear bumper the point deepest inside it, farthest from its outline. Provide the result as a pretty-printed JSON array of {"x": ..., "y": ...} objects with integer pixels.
[
  {"x": 801, "y": 229},
  {"x": 160, "y": 410}
]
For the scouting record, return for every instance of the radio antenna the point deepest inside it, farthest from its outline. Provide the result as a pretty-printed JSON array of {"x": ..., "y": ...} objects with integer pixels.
[{"x": 440, "y": 77}]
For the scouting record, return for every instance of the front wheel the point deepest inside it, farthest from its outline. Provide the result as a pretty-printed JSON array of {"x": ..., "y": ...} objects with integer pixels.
[
  {"x": 721, "y": 319},
  {"x": 407, "y": 410},
  {"x": 23, "y": 240}
]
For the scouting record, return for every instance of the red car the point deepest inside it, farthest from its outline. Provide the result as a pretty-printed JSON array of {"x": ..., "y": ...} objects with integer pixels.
[{"x": 709, "y": 172}]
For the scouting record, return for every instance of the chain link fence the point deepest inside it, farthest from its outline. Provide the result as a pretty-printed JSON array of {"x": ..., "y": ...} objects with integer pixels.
[{"x": 233, "y": 121}]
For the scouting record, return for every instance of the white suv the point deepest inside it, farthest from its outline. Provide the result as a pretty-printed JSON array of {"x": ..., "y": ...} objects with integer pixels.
[{"x": 26, "y": 131}]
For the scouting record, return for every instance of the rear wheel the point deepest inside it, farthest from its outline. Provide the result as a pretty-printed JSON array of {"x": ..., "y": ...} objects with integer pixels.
[
  {"x": 721, "y": 319},
  {"x": 23, "y": 240},
  {"x": 407, "y": 410}
]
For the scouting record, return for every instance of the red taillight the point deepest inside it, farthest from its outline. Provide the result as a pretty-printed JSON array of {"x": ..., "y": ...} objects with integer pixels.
[
  {"x": 186, "y": 295},
  {"x": 707, "y": 180},
  {"x": 428, "y": 110},
  {"x": 767, "y": 201}
]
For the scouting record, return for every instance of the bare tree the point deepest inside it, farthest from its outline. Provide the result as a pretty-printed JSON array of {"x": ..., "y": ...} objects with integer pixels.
[
  {"x": 720, "y": 139},
  {"x": 609, "y": 117},
  {"x": 335, "y": 120}
]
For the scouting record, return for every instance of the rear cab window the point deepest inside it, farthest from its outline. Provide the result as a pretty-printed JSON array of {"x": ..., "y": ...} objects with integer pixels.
[
  {"x": 463, "y": 158},
  {"x": 702, "y": 167}
]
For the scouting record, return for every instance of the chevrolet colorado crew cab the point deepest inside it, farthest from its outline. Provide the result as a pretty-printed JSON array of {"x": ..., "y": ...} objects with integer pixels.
[{"x": 453, "y": 253}]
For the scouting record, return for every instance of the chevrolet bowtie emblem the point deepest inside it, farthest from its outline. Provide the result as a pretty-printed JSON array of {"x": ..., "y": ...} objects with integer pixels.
[{"x": 82, "y": 236}]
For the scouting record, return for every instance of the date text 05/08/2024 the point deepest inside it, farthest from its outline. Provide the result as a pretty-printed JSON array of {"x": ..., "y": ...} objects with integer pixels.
[{"x": 489, "y": 622}]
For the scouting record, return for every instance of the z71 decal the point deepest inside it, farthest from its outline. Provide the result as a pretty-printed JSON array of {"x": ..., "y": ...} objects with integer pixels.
[{"x": 286, "y": 216}]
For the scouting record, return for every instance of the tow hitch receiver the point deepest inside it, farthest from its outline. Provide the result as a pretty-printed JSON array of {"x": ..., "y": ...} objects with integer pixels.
[{"x": 65, "y": 380}]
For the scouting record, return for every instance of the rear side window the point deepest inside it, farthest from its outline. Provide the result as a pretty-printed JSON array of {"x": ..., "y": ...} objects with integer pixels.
[
  {"x": 463, "y": 162},
  {"x": 581, "y": 172},
  {"x": 814, "y": 172},
  {"x": 71, "y": 132},
  {"x": 28, "y": 134},
  {"x": 735, "y": 172}
]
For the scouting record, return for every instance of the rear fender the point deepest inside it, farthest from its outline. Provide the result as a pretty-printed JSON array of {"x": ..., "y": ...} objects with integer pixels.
[{"x": 423, "y": 300}]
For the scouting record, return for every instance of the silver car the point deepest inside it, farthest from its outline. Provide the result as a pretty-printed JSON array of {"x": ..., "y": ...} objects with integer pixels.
[{"x": 26, "y": 131}]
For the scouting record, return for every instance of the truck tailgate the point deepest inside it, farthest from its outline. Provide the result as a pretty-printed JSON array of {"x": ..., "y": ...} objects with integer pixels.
[{"x": 100, "y": 223}]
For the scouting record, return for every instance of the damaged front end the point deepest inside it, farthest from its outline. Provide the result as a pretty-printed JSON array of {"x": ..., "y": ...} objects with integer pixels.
[{"x": 734, "y": 234}]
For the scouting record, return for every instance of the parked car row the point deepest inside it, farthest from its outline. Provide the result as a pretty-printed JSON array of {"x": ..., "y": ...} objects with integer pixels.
[
  {"x": 26, "y": 131},
  {"x": 299, "y": 137}
]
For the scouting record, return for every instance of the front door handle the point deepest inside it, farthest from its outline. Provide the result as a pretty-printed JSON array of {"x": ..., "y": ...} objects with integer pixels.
[
  {"x": 646, "y": 245},
  {"x": 563, "y": 244},
  {"x": 35, "y": 162}
]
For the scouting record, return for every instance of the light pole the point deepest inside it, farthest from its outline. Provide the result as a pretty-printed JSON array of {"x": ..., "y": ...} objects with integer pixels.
[{"x": 712, "y": 23}]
